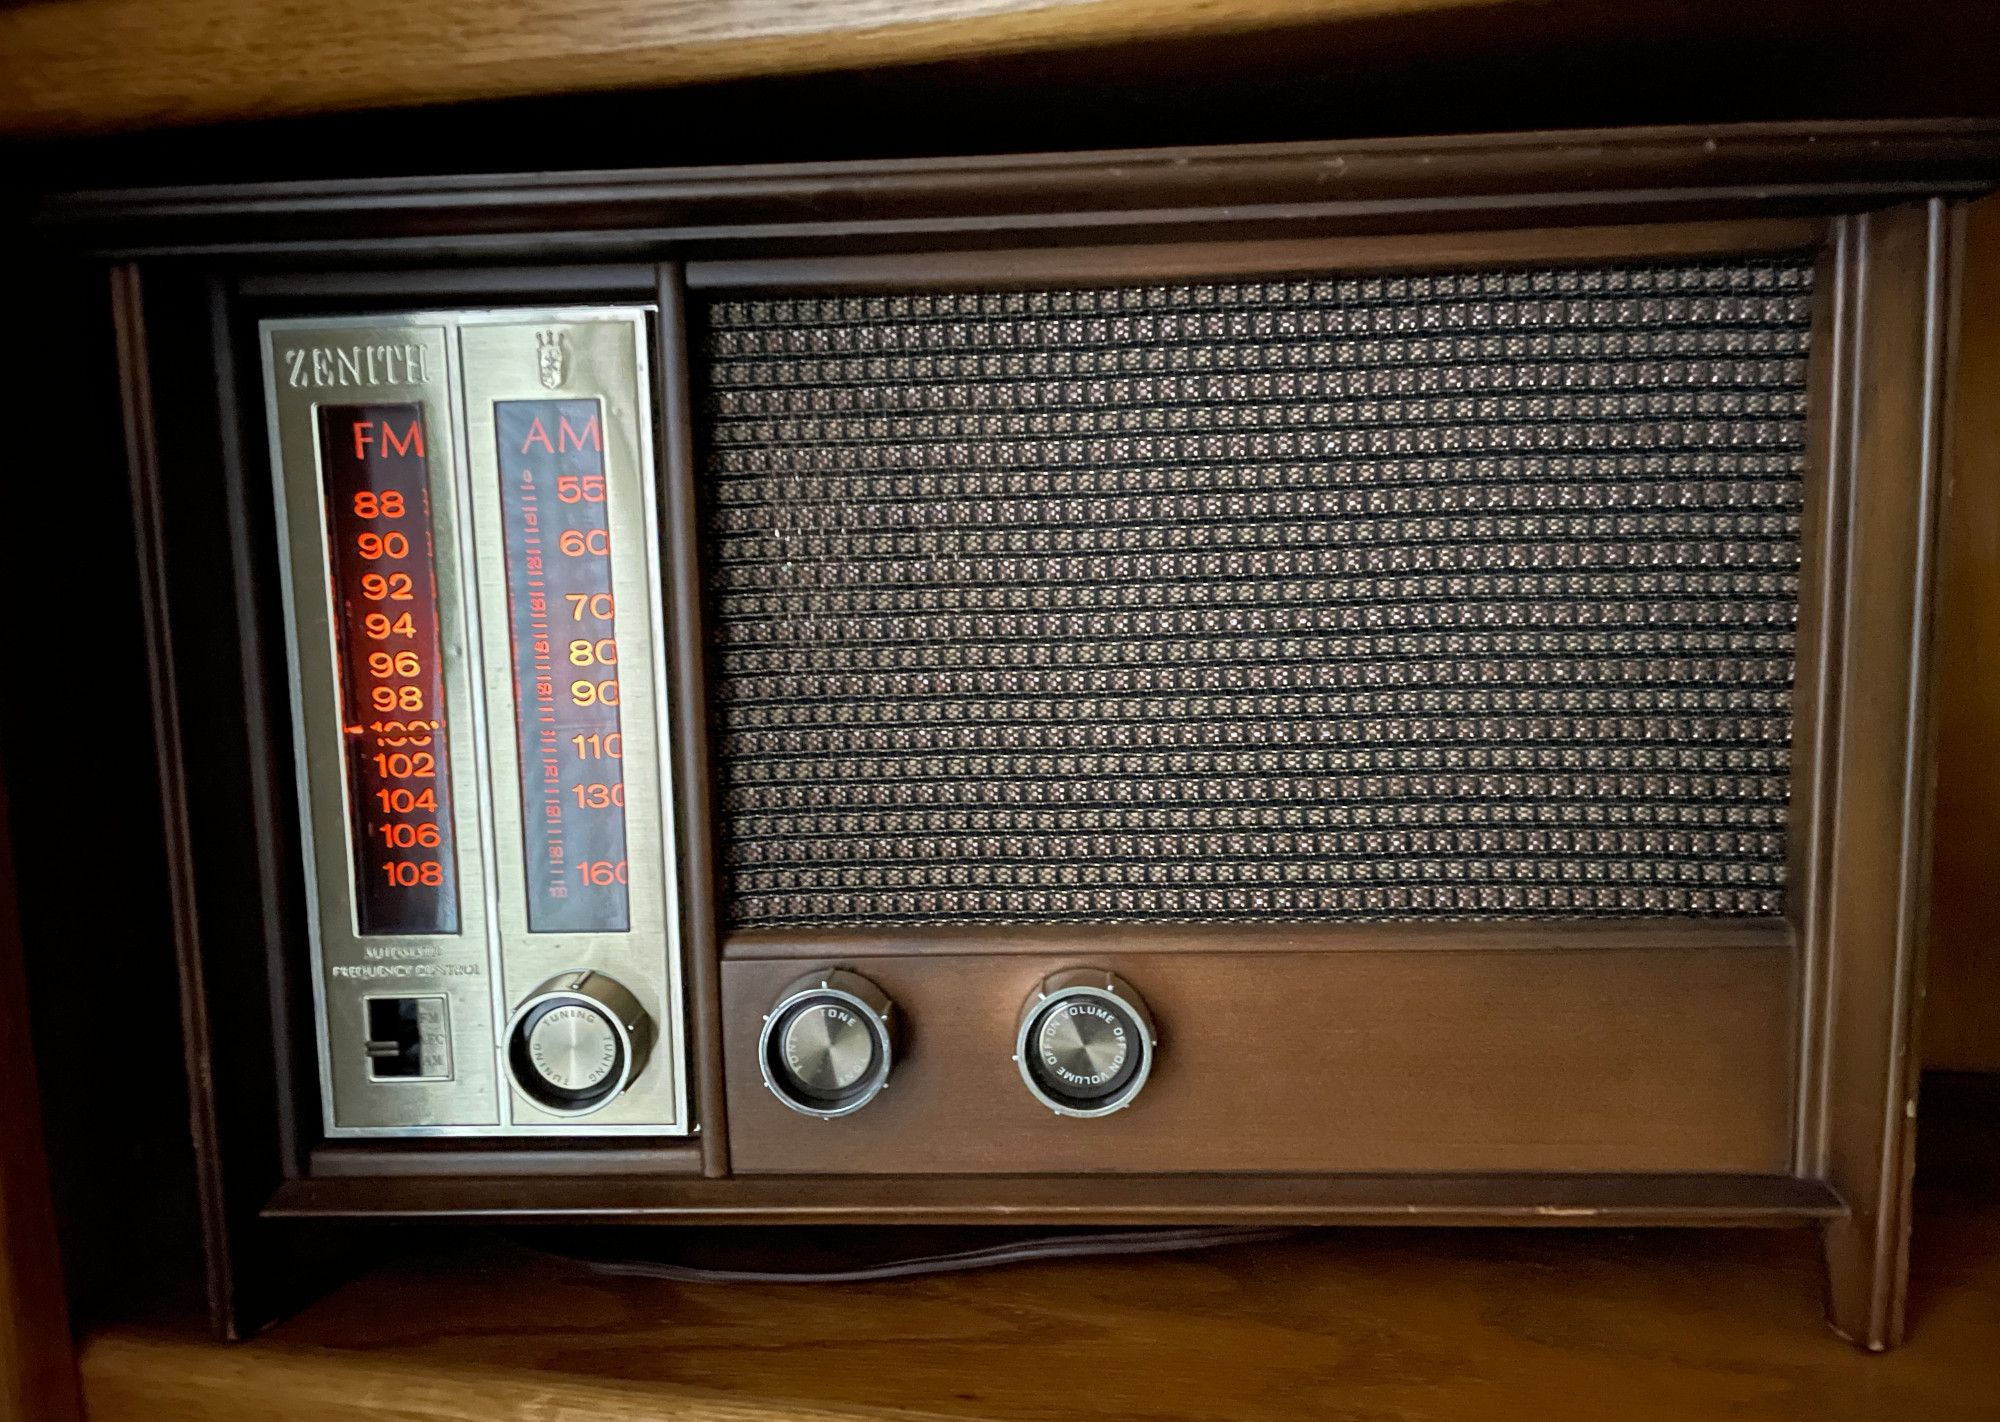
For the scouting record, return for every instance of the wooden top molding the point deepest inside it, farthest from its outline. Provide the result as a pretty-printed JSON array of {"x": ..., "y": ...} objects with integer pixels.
[
  {"x": 75, "y": 66},
  {"x": 1381, "y": 185}
]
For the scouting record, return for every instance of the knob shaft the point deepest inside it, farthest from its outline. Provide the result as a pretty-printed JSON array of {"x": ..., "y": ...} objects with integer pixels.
[
  {"x": 828, "y": 1044},
  {"x": 577, "y": 1042},
  {"x": 1086, "y": 1043}
]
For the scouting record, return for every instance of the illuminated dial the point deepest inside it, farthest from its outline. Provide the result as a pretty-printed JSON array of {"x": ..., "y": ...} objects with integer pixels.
[
  {"x": 383, "y": 578},
  {"x": 577, "y": 1043},
  {"x": 827, "y": 1046},
  {"x": 554, "y": 498},
  {"x": 1086, "y": 1043}
]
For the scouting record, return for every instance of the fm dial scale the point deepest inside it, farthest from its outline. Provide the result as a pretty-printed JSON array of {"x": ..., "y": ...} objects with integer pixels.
[
  {"x": 827, "y": 1046},
  {"x": 1086, "y": 1043}
]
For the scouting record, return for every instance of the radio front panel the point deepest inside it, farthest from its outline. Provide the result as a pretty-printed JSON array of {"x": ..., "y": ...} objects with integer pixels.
[
  {"x": 474, "y": 603},
  {"x": 1083, "y": 617}
]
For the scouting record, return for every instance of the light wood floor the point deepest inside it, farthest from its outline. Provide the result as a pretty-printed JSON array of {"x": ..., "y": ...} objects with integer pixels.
[{"x": 1416, "y": 1326}]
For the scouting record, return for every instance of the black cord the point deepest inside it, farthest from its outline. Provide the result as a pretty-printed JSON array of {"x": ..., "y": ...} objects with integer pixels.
[{"x": 1020, "y": 1251}]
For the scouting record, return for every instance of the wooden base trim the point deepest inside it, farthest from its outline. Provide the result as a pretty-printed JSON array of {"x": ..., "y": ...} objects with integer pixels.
[
  {"x": 1070, "y": 1200},
  {"x": 515, "y": 1158}
]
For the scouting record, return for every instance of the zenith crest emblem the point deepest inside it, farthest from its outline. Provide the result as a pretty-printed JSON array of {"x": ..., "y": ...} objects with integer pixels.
[{"x": 551, "y": 358}]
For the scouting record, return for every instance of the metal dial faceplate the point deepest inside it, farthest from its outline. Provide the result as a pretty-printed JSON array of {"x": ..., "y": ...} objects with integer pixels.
[
  {"x": 1086, "y": 1044},
  {"x": 826, "y": 1048}
]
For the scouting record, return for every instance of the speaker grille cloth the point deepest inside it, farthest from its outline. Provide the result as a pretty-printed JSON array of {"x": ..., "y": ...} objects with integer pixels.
[{"x": 1465, "y": 594}]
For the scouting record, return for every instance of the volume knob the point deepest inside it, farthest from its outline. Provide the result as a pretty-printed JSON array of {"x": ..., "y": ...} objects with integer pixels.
[
  {"x": 827, "y": 1046},
  {"x": 1086, "y": 1043},
  {"x": 577, "y": 1042}
]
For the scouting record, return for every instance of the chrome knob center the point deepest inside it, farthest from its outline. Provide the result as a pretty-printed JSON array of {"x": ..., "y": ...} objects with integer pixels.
[
  {"x": 573, "y": 1047},
  {"x": 577, "y": 1043},
  {"x": 1086, "y": 1043},
  {"x": 1083, "y": 1044},
  {"x": 828, "y": 1047}
]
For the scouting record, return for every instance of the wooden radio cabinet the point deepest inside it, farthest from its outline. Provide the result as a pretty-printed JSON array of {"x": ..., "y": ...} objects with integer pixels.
[{"x": 1385, "y": 682}]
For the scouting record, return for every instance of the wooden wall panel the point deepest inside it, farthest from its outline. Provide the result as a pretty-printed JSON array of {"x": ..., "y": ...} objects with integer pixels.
[
  {"x": 1962, "y": 1016},
  {"x": 37, "y": 1370}
]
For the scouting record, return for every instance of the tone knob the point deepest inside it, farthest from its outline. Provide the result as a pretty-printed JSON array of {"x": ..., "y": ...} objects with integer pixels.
[
  {"x": 1086, "y": 1043},
  {"x": 577, "y": 1042},
  {"x": 828, "y": 1044}
]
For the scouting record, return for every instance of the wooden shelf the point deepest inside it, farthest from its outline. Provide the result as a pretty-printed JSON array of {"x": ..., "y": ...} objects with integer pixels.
[
  {"x": 95, "y": 66},
  {"x": 104, "y": 64},
  {"x": 1421, "y": 1324}
]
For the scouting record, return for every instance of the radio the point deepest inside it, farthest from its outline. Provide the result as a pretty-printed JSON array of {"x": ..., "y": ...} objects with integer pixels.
[{"x": 1316, "y": 684}]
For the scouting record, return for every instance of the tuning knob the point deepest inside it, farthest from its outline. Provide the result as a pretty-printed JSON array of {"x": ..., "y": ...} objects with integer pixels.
[
  {"x": 577, "y": 1042},
  {"x": 1086, "y": 1043},
  {"x": 828, "y": 1045}
]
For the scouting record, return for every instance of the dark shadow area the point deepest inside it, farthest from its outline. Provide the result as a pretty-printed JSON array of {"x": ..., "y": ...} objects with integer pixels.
[{"x": 1956, "y": 1239}]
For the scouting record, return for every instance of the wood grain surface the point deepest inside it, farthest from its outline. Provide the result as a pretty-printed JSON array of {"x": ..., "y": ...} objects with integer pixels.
[
  {"x": 1402, "y": 1326},
  {"x": 90, "y": 64},
  {"x": 1962, "y": 1016},
  {"x": 1871, "y": 884},
  {"x": 1660, "y": 1060},
  {"x": 71, "y": 66},
  {"x": 1541, "y": 1200}
]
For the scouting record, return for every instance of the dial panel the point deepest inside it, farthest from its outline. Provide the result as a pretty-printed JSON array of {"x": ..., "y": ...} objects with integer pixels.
[
  {"x": 559, "y": 482},
  {"x": 474, "y": 608},
  {"x": 359, "y": 411}
]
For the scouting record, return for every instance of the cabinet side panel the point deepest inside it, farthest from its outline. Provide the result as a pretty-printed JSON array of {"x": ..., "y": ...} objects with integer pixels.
[
  {"x": 1962, "y": 1013},
  {"x": 1879, "y": 863}
]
